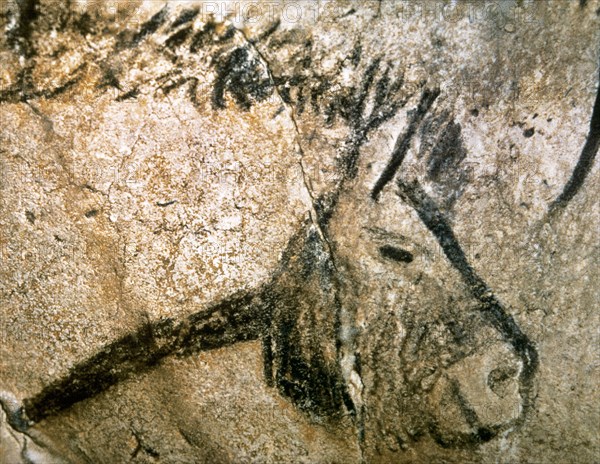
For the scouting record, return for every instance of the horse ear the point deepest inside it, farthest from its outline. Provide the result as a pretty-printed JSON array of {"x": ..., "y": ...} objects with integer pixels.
[{"x": 301, "y": 343}]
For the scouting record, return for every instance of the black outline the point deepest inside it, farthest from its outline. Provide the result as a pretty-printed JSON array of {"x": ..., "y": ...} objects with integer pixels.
[
  {"x": 150, "y": 26},
  {"x": 238, "y": 318},
  {"x": 402, "y": 145},
  {"x": 491, "y": 308},
  {"x": 186, "y": 16},
  {"x": 585, "y": 162},
  {"x": 244, "y": 316}
]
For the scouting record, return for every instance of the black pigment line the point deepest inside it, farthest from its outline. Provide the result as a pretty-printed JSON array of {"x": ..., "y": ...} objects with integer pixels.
[
  {"x": 361, "y": 97},
  {"x": 167, "y": 88},
  {"x": 151, "y": 26},
  {"x": 480, "y": 434},
  {"x": 16, "y": 94},
  {"x": 192, "y": 89},
  {"x": 435, "y": 221},
  {"x": 433, "y": 218},
  {"x": 56, "y": 91},
  {"x": 403, "y": 143},
  {"x": 185, "y": 17},
  {"x": 266, "y": 34},
  {"x": 396, "y": 254},
  {"x": 175, "y": 40},
  {"x": 467, "y": 411},
  {"x": 586, "y": 160},
  {"x": 128, "y": 95},
  {"x": 20, "y": 36},
  {"x": 382, "y": 88},
  {"x": 203, "y": 36},
  {"x": 352, "y": 109},
  {"x": 238, "y": 318}
]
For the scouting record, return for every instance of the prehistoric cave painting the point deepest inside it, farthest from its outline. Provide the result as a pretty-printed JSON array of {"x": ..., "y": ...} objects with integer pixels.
[
  {"x": 238, "y": 69},
  {"x": 300, "y": 318},
  {"x": 304, "y": 315}
]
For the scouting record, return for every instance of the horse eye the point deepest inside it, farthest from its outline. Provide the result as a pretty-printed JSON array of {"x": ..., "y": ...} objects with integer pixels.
[{"x": 397, "y": 254}]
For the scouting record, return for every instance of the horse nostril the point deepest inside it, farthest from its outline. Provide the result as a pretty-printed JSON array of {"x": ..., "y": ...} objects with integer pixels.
[{"x": 500, "y": 379}]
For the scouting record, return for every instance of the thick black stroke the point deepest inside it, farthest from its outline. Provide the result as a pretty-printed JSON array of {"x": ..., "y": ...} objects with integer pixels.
[
  {"x": 490, "y": 306},
  {"x": 402, "y": 145},
  {"x": 239, "y": 318},
  {"x": 585, "y": 162}
]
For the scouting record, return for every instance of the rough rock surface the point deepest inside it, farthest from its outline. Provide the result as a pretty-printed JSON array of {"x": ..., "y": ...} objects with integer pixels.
[{"x": 300, "y": 231}]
